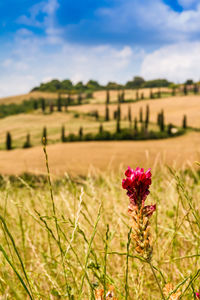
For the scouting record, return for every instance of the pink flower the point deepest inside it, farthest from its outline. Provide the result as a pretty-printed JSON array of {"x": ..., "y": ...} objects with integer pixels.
[
  {"x": 198, "y": 295},
  {"x": 137, "y": 184}
]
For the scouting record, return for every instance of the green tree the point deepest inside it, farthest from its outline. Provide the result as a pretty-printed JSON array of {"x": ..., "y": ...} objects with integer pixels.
[
  {"x": 123, "y": 96},
  {"x": 107, "y": 116},
  {"x": 35, "y": 104},
  {"x": 119, "y": 111},
  {"x": 63, "y": 134},
  {"x": 129, "y": 115},
  {"x": 159, "y": 93},
  {"x": 141, "y": 115},
  {"x": 27, "y": 143},
  {"x": 137, "y": 95},
  {"x": 107, "y": 97},
  {"x": 185, "y": 90},
  {"x": 118, "y": 127},
  {"x": 51, "y": 107},
  {"x": 101, "y": 128},
  {"x": 119, "y": 98},
  {"x": 147, "y": 117},
  {"x": 169, "y": 129},
  {"x": 195, "y": 89},
  {"x": 136, "y": 83},
  {"x": 8, "y": 141},
  {"x": 59, "y": 103},
  {"x": 184, "y": 122},
  {"x": 151, "y": 95},
  {"x": 135, "y": 124},
  {"x": 173, "y": 91},
  {"x": 80, "y": 98},
  {"x": 81, "y": 133},
  {"x": 162, "y": 121},
  {"x": 43, "y": 104},
  {"x": 142, "y": 96}
]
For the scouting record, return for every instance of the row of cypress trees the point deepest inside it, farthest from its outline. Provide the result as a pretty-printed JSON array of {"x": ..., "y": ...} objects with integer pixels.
[
  {"x": 144, "y": 122},
  {"x": 140, "y": 96}
]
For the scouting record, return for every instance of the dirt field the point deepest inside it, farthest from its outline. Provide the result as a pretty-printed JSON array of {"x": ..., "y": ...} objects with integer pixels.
[
  {"x": 174, "y": 109},
  {"x": 79, "y": 158}
]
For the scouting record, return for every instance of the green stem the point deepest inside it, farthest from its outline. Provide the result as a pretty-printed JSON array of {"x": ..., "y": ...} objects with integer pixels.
[{"x": 156, "y": 279}]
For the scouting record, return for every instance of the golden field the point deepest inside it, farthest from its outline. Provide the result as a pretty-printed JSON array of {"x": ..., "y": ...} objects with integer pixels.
[
  {"x": 174, "y": 109},
  {"x": 80, "y": 157}
]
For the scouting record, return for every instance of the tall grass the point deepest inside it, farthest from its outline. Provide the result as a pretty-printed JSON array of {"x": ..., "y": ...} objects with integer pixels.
[{"x": 66, "y": 238}]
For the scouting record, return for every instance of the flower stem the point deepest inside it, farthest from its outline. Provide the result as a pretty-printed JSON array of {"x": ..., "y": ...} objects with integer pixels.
[{"x": 156, "y": 279}]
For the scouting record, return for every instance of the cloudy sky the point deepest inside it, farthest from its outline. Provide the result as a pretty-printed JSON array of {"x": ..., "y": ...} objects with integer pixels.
[{"x": 106, "y": 40}]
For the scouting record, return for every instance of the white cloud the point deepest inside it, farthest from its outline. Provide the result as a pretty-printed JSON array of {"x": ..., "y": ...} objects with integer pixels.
[
  {"x": 32, "y": 61},
  {"x": 176, "y": 62},
  {"x": 155, "y": 20}
]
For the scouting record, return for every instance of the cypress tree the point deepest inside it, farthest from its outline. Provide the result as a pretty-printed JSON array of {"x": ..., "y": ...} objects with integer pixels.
[
  {"x": 51, "y": 107},
  {"x": 119, "y": 97},
  {"x": 123, "y": 96},
  {"x": 162, "y": 121},
  {"x": 97, "y": 115},
  {"x": 151, "y": 94},
  {"x": 44, "y": 136},
  {"x": 159, "y": 93},
  {"x": 81, "y": 133},
  {"x": 173, "y": 91},
  {"x": 35, "y": 105},
  {"x": 80, "y": 98},
  {"x": 159, "y": 119},
  {"x": 27, "y": 143},
  {"x": 195, "y": 89},
  {"x": 169, "y": 129},
  {"x": 119, "y": 111},
  {"x": 59, "y": 103},
  {"x": 43, "y": 105},
  {"x": 118, "y": 129},
  {"x": 8, "y": 141},
  {"x": 184, "y": 122},
  {"x": 107, "y": 117},
  {"x": 68, "y": 100},
  {"x": 147, "y": 117},
  {"x": 129, "y": 115},
  {"x": 142, "y": 96},
  {"x": 141, "y": 115},
  {"x": 135, "y": 124},
  {"x": 66, "y": 104},
  {"x": 107, "y": 97},
  {"x": 137, "y": 95},
  {"x": 118, "y": 125},
  {"x": 101, "y": 128},
  {"x": 185, "y": 91},
  {"x": 63, "y": 134},
  {"x": 115, "y": 114}
]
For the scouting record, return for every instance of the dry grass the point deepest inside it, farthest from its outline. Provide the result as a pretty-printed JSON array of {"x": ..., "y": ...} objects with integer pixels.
[
  {"x": 20, "y": 98},
  {"x": 174, "y": 108},
  {"x": 100, "y": 96},
  {"x": 79, "y": 157},
  {"x": 72, "y": 261}
]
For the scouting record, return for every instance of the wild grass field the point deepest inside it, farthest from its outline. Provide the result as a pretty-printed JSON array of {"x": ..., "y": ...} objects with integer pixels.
[{"x": 69, "y": 239}]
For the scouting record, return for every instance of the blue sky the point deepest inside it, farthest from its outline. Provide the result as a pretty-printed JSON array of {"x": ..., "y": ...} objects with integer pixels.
[{"x": 107, "y": 40}]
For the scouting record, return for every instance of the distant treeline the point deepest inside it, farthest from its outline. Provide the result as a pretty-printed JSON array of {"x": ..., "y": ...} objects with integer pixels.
[{"x": 92, "y": 85}]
